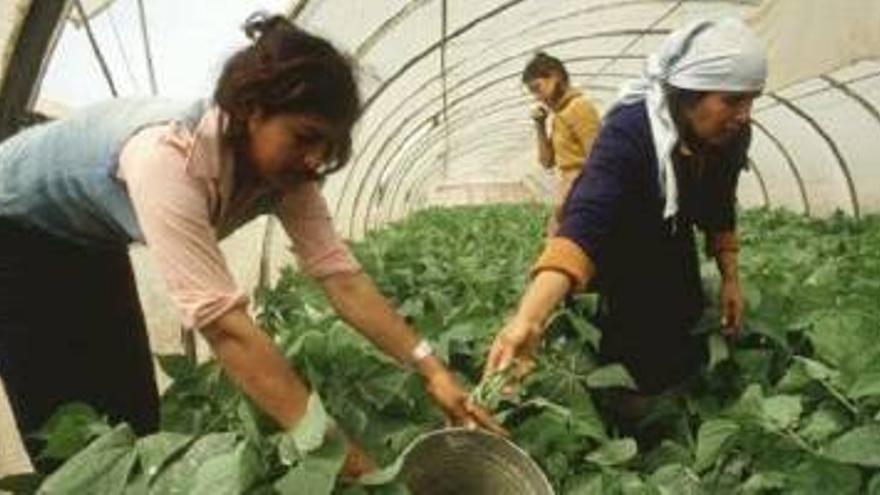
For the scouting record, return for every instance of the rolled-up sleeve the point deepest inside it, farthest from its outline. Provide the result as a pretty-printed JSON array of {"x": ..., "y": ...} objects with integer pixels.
[
  {"x": 564, "y": 256},
  {"x": 172, "y": 208},
  {"x": 317, "y": 246}
]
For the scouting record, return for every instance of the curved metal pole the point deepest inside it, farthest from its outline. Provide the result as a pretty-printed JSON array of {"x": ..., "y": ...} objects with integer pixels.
[
  {"x": 405, "y": 169},
  {"x": 567, "y": 16},
  {"x": 818, "y": 91},
  {"x": 444, "y": 82},
  {"x": 761, "y": 183},
  {"x": 411, "y": 62},
  {"x": 298, "y": 9},
  {"x": 419, "y": 183},
  {"x": 148, "y": 53},
  {"x": 861, "y": 100},
  {"x": 402, "y": 171},
  {"x": 832, "y": 145},
  {"x": 387, "y": 26},
  {"x": 371, "y": 167},
  {"x": 474, "y": 23},
  {"x": 420, "y": 172},
  {"x": 404, "y": 103},
  {"x": 429, "y": 104},
  {"x": 93, "y": 42},
  {"x": 485, "y": 69},
  {"x": 379, "y": 200},
  {"x": 789, "y": 162},
  {"x": 509, "y": 146},
  {"x": 477, "y": 117},
  {"x": 633, "y": 42},
  {"x": 419, "y": 150},
  {"x": 37, "y": 36}
]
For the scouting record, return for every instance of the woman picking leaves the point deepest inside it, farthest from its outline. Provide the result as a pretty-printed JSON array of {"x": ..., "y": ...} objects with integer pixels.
[
  {"x": 178, "y": 177},
  {"x": 666, "y": 160}
]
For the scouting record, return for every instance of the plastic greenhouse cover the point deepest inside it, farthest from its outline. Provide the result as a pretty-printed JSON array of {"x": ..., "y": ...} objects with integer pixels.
[{"x": 441, "y": 113}]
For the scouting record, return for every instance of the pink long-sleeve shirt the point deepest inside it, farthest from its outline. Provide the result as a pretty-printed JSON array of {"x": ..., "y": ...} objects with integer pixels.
[{"x": 182, "y": 187}]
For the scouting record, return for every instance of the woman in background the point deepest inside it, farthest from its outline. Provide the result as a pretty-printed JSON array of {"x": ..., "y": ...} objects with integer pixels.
[{"x": 667, "y": 159}]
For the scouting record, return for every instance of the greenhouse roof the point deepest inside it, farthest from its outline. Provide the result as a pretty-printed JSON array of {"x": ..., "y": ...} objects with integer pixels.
[{"x": 445, "y": 108}]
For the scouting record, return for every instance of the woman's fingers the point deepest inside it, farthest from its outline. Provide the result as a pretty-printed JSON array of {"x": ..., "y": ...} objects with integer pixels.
[
  {"x": 478, "y": 416},
  {"x": 500, "y": 356},
  {"x": 357, "y": 461},
  {"x": 458, "y": 407}
]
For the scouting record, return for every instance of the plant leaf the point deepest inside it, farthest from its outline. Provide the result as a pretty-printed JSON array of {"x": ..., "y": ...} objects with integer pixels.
[
  {"x": 783, "y": 411},
  {"x": 70, "y": 429},
  {"x": 866, "y": 385},
  {"x": 612, "y": 375},
  {"x": 102, "y": 467},
  {"x": 858, "y": 446},
  {"x": 821, "y": 477},
  {"x": 179, "y": 476},
  {"x": 711, "y": 440},
  {"x": 614, "y": 453},
  {"x": 230, "y": 473},
  {"x": 24, "y": 484},
  {"x": 316, "y": 474},
  {"x": 156, "y": 449}
]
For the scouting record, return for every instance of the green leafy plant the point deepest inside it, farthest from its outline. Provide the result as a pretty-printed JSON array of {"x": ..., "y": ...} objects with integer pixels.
[{"x": 792, "y": 407}]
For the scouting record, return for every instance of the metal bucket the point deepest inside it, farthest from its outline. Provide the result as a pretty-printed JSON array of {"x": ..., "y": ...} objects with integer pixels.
[{"x": 459, "y": 461}]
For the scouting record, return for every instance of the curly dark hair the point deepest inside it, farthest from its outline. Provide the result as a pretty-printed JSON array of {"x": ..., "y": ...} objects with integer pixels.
[
  {"x": 288, "y": 70},
  {"x": 543, "y": 65}
]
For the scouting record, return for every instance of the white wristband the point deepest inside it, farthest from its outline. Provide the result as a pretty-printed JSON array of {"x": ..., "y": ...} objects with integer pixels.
[{"x": 422, "y": 350}]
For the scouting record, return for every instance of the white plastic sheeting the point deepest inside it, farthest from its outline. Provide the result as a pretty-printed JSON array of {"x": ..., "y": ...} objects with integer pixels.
[
  {"x": 409, "y": 143},
  {"x": 809, "y": 37},
  {"x": 450, "y": 109}
]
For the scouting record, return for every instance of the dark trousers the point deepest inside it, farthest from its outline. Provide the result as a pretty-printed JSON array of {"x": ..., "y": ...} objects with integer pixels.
[{"x": 71, "y": 330}]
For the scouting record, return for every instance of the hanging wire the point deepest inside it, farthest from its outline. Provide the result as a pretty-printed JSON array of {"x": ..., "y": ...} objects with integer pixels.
[
  {"x": 636, "y": 39},
  {"x": 145, "y": 36},
  {"x": 95, "y": 48},
  {"x": 443, "y": 32},
  {"x": 297, "y": 10},
  {"x": 121, "y": 47},
  {"x": 832, "y": 146},
  {"x": 387, "y": 26}
]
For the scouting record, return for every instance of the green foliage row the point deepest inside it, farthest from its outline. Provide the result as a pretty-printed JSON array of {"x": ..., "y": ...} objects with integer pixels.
[{"x": 792, "y": 407}]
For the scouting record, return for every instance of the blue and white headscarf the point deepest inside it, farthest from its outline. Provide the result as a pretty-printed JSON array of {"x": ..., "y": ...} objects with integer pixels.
[{"x": 706, "y": 55}]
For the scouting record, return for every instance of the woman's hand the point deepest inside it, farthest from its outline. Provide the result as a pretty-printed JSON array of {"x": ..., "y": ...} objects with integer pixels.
[
  {"x": 515, "y": 345},
  {"x": 456, "y": 404},
  {"x": 732, "y": 306},
  {"x": 539, "y": 114},
  {"x": 357, "y": 461},
  {"x": 517, "y": 342}
]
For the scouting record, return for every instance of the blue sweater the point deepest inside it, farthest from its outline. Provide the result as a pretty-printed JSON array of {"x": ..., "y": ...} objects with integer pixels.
[
  {"x": 60, "y": 177},
  {"x": 647, "y": 269}
]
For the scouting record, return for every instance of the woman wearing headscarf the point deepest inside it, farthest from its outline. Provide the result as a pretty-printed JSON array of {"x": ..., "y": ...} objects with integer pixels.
[
  {"x": 180, "y": 176},
  {"x": 666, "y": 160}
]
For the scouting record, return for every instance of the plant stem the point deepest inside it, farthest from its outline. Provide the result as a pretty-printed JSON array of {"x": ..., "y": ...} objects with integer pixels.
[{"x": 843, "y": 400}]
